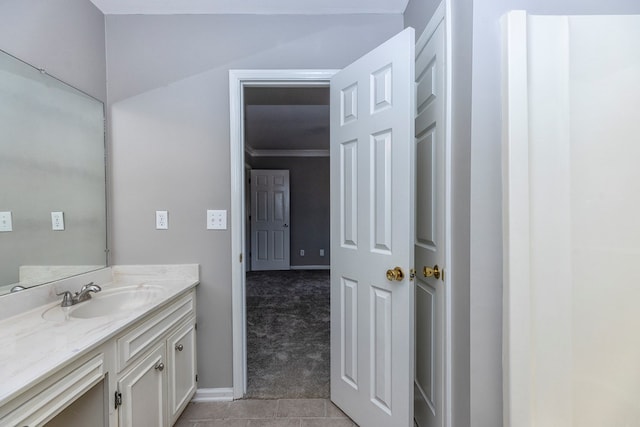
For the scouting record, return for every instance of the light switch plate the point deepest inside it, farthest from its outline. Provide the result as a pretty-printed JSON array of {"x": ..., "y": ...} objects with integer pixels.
[
  {"x": 162, "y": 220},
  {"x": 216, "y": 219},
  {"x": 57, "y": 221},
  {"x": 5, "y": 221}
]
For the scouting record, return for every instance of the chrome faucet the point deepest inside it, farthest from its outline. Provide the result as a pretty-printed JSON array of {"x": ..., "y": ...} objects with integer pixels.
[{"x": 84, "y": 294}]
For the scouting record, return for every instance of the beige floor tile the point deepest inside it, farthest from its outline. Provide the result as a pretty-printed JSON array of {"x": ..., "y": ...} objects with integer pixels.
[
  {"x": 196, "y": 411},
  {"x": 275, "y": 422},
  {"x": 184, "y": 423},
  {"x": 223, "y": 423},
  {"x": 301, "y": 408},
  {"x": 333, "y": 411},
  {"x": 252, "y": 409},
  {"x": 326, "y": 422}
]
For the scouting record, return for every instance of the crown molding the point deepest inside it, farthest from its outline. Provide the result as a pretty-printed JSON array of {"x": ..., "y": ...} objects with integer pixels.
[{"x": 286, "y": 153}]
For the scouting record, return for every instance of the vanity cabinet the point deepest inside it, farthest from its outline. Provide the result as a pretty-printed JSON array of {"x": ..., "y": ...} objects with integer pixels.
[
  {"x": 141, "y": 392},
  {"x": 142, "y": 375},
  {"x": 157, "y": 365}
]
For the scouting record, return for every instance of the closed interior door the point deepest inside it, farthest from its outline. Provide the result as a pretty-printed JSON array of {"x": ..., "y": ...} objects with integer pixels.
[
  {"x": 371, "y": 235},
  {"x": 429, "y": 231},
  {"x": 270, "y": 242}
]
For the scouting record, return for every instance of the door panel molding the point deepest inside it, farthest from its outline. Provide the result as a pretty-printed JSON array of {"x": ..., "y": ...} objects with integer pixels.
[{"x": 379, "y": 185}]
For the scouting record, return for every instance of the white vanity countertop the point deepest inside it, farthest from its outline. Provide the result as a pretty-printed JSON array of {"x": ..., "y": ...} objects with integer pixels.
[{"x": 32, "y": 348}]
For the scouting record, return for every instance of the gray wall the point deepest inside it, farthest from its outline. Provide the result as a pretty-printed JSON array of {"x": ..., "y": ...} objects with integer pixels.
[
  {"x": 65, "y": 37},
  {"x": 486, "y": 197},
  {"x": 461, "y": 22},
  {"x": 168, "y": 93},
  {"x": 309, "y": 194},
  {"x": 418, "y": 12}
]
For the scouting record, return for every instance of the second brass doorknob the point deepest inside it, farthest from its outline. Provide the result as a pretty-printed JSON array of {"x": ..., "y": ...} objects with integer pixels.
[
  {"x": 395, "y": 274},
  {"x": 431, "y": 272}
]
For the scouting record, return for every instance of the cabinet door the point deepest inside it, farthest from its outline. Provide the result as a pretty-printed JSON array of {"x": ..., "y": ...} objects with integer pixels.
[
  {"x": 143, "y": 391},
  {"x": 181, "y": 353}
]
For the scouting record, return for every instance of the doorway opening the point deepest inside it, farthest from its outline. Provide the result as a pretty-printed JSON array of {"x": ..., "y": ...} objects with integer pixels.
[
  {"x": 265, "y": 98},
  {"x": 286, "y": 137}
]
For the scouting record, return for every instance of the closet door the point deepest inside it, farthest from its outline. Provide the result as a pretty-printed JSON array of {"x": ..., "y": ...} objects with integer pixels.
[{"x": 270, "y": 228}]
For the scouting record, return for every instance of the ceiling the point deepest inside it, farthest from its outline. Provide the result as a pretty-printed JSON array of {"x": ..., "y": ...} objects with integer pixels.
[
  {"x": 268, "y": 7},
  {"x": 276, "y": 119},
  {"x": 286, "y": 119}
]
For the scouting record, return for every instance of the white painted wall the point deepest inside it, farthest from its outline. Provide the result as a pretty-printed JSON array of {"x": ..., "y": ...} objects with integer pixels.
[
  {"x": 168, "y": 96},
  {"x": 65, "y": 37}
]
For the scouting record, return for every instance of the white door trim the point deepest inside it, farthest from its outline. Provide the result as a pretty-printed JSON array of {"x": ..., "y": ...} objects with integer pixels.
[
  {"x": 516, "y": 336},
  {"x": 444, "y": 11},
  {"x": 238, "y": 79}
]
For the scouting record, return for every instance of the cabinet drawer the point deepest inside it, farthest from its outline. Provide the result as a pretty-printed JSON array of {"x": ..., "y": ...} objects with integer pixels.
[
  {"x": 55, "y": 394},
  {"x": 138, "y": 340}
]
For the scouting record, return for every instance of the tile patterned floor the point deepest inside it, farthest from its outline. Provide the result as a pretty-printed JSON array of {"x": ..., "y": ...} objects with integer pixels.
[
  {"x": 264, "y": 413},
  {"x": 288, "y": 328}
]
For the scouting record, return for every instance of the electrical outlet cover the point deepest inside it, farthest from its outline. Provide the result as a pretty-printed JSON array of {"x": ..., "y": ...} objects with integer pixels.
[
  {"x": 216, "y": 219},
  {"x": 162, "y": 220},
  {"x": 57, "y": 221},
  {"x": 5, "y": 221}
]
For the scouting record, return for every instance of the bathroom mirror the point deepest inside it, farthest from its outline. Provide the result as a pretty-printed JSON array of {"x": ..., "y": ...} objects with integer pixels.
[{"x": 52, "y": 178}]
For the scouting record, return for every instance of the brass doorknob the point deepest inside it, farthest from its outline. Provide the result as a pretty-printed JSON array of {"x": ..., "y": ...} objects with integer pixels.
[
  {"x": 429, "y": 272},
  {"x": 395, "y": 274}
]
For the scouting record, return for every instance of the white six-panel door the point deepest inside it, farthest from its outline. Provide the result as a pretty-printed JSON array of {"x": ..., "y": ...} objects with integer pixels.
[
  {"x": 371, "y": 234},
  {"x": 270, "y": 233},
  {"x": 430, "y": 224}
]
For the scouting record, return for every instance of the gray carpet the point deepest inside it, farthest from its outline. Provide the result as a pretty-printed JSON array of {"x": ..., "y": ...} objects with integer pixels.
[{"x": 287, "y": 334}]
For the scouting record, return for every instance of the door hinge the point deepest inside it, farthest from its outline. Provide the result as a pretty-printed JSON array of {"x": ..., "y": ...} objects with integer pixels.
[
  {"x": 196, "y": 377},
  {"x": 240, "y": 257},
  {"x": 195, "y": 326},
  {"x": 118, "y": 399}
]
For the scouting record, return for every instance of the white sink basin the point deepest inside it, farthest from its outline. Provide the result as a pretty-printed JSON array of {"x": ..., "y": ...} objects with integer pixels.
[{"x": 109, "y": 302}]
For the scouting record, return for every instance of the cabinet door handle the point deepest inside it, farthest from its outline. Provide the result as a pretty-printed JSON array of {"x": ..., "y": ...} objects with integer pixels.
[
  {"x": 179, "y": 347},
  {"x": 160, "y": 366}
]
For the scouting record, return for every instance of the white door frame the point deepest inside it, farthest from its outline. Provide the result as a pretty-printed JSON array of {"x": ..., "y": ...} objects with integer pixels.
[{"x": 238, "y": 80}]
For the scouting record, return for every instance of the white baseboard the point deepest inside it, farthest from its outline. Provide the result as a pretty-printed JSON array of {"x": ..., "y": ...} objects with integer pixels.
[
  {"x": 213, "y": 395},
  {"x": 310, "y": 267}
]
